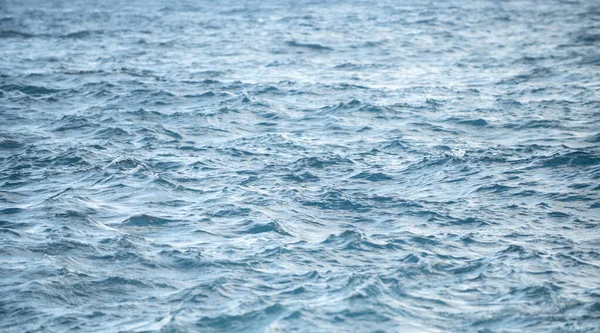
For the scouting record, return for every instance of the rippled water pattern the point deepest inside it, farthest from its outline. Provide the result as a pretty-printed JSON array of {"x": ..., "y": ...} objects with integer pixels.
[{"x": 326, "y": 166}]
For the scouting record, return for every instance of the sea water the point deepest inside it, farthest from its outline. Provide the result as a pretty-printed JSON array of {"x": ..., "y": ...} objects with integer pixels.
[{"x": 299, "y": 166}]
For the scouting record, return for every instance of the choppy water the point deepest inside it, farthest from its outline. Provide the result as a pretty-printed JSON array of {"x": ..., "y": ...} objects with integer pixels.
[{"x": 410, "y": 166}]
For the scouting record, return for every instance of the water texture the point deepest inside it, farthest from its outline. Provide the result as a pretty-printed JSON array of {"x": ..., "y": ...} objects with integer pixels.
[{"x": 299, "y": 166}]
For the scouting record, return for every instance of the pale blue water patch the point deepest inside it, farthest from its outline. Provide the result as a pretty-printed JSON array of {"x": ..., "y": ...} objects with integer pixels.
[{"x": 307, "y": 166}]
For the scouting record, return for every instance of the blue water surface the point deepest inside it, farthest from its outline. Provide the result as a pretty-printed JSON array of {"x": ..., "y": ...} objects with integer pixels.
[{"x": 299, "y": 166}]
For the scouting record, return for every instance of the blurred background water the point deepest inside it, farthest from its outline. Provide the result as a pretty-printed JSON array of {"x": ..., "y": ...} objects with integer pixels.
[{"x": 309, "y": 166}]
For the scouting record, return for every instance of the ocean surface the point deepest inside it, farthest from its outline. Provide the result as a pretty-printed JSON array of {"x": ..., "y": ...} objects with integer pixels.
[{"x": 299, "y": 166}]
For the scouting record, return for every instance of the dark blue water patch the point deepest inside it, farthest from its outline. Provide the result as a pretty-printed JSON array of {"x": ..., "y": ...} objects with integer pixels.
[
  {"x": 353, "y": 240},
  {"x": 418, "y": 126},
  {"x": 252, "y": 320},
  {"x": 373, "y": 177},
  {"x": 302, "y": 177},
  {"x": 595, "y": 138},
  {"x": 13, "y": 210},
  {"x": 591, "y": 60},
  {"x": 252, "y": 227},
  {"x": 471, "y": 122},
  {"x": 587, "y": 38},
  {"x": 14, "y": 34},
  {"x": 309, "y": 46},
  {"x": 231, "y": 212},
  {"x": 495, "y": 188},
  {"x": 574, "y": 159},
  {"x": 335, "y": 200},
  {"x": 535, "y": 124},
  {"x": 320, "y": 162},
  {"x": 558, "y": 215},
  {"x": 64, "y": 247},
  {"x": 72, "y": 123},
  {"x": 144, "y": 220},
  {"x": 109, "y": 133},
  {"x": 29, "y": 90},
  {"x": 82, "y": 34},
  {"x": 6, "y": 143}
]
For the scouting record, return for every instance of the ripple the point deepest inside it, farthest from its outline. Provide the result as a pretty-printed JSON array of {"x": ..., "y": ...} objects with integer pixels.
[
  {"x": 6, "y": 143},
  {"x": 144, "y": 220},
  {"x": 126, "y": 163},
  {"x": 29, "y": 89},
  {"x": 373, "y": 177},
  {"x": 310, "y": 46}
]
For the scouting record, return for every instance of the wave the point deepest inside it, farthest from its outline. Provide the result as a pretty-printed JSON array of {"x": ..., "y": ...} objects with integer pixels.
[
  {"x": 310, "y": 46},
  {"x": 144, "y": 220}
]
